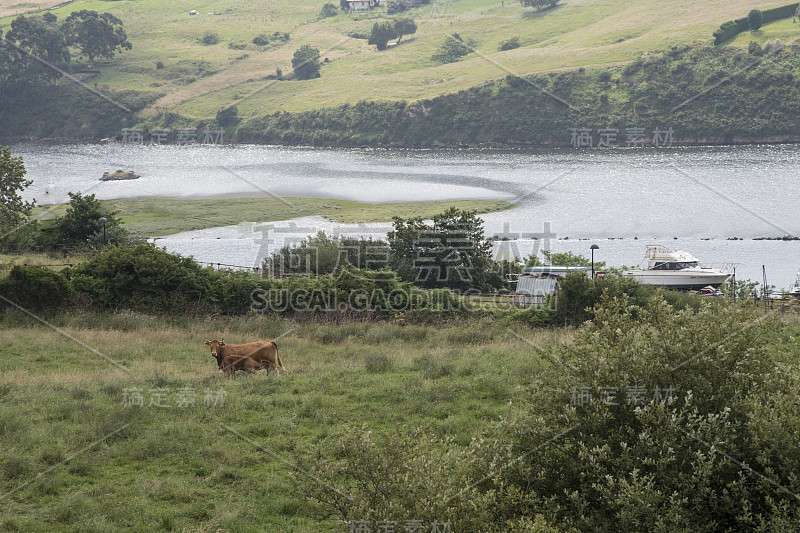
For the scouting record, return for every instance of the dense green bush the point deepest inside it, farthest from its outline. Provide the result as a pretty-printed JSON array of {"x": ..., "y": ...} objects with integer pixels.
[
  {"x": 655, "y": 419},
  {"x": 510, "y": 44},
  {"x": 410, "y": 475},
  {"x": 452, "y": 49},
  {"x": 147, "y": 279},
  {"x": 209, "y": 38},
  {"x": 35, "y": 289},
  {"x": 322, "y": 254}
]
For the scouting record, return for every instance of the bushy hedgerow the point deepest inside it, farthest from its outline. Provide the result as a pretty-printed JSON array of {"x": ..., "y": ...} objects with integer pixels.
[
  {"x": 35, "y": 289},
  {"x": 655, "y": 419},
  {"x": 146, "y": 278}
]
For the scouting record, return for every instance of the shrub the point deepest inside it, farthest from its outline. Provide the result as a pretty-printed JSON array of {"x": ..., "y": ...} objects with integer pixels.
[
  {"x": 754, "y": 49},
  {"x": 510, "y": 44},
  {"x": 146, "y": 278},
  {"x": 604, "y": 77},
  {"x": 209, "y": 37},
  {"x": 409, "y": 474},
  {"x": 453, "y": 48},
  {"x": 159, "y": 65},
  {"x": 321, "y": 254},
  {"x": 328, "y": 10},
  {"x": 262, "y": 39},
  {"x": 35, "y": 289},
  {"x": 692, "y": 457}
]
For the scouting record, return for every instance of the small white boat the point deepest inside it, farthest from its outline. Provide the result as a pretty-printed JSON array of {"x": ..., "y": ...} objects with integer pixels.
[
  {"x": 794, "y": 290},
  {"x": 676, "y": 269}
]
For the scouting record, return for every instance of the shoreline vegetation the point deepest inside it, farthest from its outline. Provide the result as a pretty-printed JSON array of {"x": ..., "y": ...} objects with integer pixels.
[
  {"x": 705, "y": 95},
  {"x": 158, "y": 217}
]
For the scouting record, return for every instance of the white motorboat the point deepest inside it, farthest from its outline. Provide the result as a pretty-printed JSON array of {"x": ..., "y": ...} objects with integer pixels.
[
  {"x": 794, "y": 290},
  {"x": 676, "y": 269}
]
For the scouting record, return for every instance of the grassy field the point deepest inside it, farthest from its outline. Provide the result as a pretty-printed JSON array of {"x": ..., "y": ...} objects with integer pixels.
[
  {"x": 198, "y": 80},
  {"x": 106, "y": 466},
  {"x": 162, "y": 216}
]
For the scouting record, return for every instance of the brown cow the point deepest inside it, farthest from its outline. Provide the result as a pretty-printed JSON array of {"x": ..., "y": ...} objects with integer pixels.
[
  {"x": 231, "y": 363},
  {"x": 263, "y": 352}
]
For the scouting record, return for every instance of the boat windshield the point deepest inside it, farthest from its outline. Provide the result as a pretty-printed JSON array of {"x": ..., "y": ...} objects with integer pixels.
[{"x": 675, "y": 265}]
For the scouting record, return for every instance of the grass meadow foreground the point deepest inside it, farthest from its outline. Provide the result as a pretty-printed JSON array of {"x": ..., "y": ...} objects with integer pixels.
[{"x": 207, "y": 453}]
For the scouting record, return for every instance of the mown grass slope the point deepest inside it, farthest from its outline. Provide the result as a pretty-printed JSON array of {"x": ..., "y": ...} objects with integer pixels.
[{"x": 197, "y": 80}]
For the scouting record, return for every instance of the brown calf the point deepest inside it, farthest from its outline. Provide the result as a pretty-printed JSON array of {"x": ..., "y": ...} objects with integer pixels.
[{"x": 231, "y": 363}]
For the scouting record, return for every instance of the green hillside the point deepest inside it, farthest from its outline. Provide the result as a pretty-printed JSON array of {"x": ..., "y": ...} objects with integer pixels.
[{"x": 198, "y": 79}]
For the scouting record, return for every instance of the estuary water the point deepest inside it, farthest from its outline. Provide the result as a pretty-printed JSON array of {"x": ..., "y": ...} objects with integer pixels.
[{"x": 694, "y": 199}]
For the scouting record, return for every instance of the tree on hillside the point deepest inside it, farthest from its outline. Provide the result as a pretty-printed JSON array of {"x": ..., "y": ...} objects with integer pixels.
[
  {"x": 306, "y": 62},
  {"x": 755, "y": 19},
  {"x": 452, "y": 48},
  {"x": 404, "y": 26},
  {"x": 82, "y": 220},
  {"x": 382, "y": 32},
  {"x": 227, "y": 116},
  {"x": 95, "y": 35},
  {"x": 540, "y": 4},
  {"x": 13, "y": 209},
  {"x": 328, "y": 10},
  {"x": 33, "y": 48}
]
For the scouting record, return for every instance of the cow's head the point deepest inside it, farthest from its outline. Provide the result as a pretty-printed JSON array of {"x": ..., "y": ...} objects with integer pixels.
[{"x": 215, "y": 346}]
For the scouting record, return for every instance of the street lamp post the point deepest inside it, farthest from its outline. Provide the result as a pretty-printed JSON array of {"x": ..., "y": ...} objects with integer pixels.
[
  {"x": 593, "y": 248},
  {"x": 103, "y": 221}
]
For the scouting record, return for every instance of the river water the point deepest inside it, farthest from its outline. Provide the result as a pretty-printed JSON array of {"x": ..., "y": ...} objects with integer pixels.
[{"x": 694, "y": 199}]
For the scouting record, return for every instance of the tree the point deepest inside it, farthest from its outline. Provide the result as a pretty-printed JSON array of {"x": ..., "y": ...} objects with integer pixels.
[
  {"x": 755, "y": 19},
  {"x": 540, "y": 4},
  {"x": 227, "y": 116},
  {"x": 328, "y": 10},
  {"x": 450, "y": 252},
  {"x": 404, "y": 26},
  {"x": 344, "y": 5},
  {"x": 34, "y": 48},
  {"x": 754, "y": 49},
  {"x": 382, "y": 32},
  {"x": 82, "y": 220},
  {"x": 96, "y": 35},
  {"x": 306, "y": 62},
  {"x": 452, "y": 48},
  {"x": 14, "y": 211}
]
